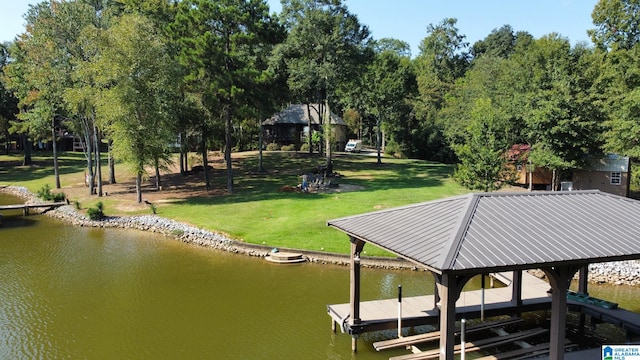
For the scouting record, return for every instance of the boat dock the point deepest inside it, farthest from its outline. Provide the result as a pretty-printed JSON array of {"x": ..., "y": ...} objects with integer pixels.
[
  {"x": 421, "y": 310},
  {"x": 25, "y": 207}
]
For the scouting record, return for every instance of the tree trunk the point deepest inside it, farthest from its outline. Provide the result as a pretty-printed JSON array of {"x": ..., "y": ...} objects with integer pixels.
[
  {"x": 54, "y": 140},
  {"x": 112, "y": 164},
  {"x": 530, "y": 177},
  {"x": 88, "y": 152},
  {"x": 205, "y": 161},
  {"x": 260, "y": 140},
  {"x": 310, "y": 132},
  {"x": 327, "y": 137},
  {"x": 139, "y": 187},
  {"x": 157, "y": 168},
  {"x": 26, "y": 147},
  {"x": 96, "y": 140},
  {"x": 183, "y": 170},
  {"x": 227, "y": 149},
  {"x": 379, "y": 139}
]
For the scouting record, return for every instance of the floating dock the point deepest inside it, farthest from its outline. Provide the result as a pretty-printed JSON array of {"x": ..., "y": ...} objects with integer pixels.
[{"x": 283, "y": 257}]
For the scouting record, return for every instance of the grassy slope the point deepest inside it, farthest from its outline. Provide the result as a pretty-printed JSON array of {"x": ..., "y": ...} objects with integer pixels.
[{"x": 258, "y": 212}]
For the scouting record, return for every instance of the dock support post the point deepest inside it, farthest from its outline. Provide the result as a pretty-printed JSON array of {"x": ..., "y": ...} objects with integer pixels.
[
  {"x": 25, "y": 211},
  {"x": 482, "y": 285},
  {"x": 399, "y": 311},
  {"x": 559, "y": 279},
  {"x": 354, "y": 291},
  {"x": 333, "y": 325},
  {"x": 516, "y": 291},
  {"x": 448, "y": 295}
]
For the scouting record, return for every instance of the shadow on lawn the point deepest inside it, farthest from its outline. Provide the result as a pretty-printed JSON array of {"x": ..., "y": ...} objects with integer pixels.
[
  {"x": 12, "y": 171},
  {"x": 284, "y": 170}
]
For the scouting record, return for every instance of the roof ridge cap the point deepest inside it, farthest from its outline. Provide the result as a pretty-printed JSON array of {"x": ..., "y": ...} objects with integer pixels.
[{"x": 455, "y": 242}]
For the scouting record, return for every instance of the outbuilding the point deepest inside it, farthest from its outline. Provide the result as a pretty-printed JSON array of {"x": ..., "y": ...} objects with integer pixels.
[{"x": 291, "y": 126}]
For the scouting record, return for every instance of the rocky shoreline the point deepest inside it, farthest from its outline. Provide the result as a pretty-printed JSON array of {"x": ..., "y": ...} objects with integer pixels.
[
  {"x": 193, "y": 235},
  {"x": 616, "y": 273}
]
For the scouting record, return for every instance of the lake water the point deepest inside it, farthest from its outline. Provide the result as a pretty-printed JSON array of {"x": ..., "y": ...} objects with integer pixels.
[{"x": 71, "y": 292}]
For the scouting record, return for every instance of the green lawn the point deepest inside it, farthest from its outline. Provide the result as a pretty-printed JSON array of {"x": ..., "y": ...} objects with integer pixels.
[{"x": 259, "y": 212}]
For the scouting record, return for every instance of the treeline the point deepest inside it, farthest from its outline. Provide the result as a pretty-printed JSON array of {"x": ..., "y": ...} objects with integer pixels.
[{"x": 203, "y": 74}]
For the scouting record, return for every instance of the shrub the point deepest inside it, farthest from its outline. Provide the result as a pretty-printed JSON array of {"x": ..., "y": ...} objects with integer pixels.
[
  {"x": 291, "y": 147},
  {"x": 45, "y": 194},
  {"x": 97, "y": 212},
  {"x": 273, "y": 147},
  {"x": 177, "y": 232},
  {"x": 304, "y": 147}
]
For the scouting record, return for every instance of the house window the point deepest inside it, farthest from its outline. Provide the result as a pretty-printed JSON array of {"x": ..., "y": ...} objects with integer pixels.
[{"x": 616, "y": 178}]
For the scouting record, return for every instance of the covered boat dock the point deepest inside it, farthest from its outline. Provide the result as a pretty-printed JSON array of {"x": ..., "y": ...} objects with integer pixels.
[{"x": 458, "y": 238}]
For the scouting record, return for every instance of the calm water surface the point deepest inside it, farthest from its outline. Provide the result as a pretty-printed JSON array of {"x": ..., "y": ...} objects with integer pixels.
[{"x": 71, "y": 293}]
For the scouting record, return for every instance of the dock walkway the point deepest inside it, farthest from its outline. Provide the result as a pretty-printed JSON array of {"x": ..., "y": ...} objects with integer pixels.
[
  {"x": 421, "y": 310},
  {"x": 25, "y": 207}
]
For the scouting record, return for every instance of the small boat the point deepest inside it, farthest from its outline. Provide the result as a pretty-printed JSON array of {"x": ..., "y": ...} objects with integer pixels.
[{"x": 583, "y": 298}]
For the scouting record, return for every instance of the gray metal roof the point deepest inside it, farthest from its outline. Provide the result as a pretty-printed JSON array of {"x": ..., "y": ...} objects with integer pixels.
[
  {"x": 298, "y": 114},
  {"x": 505, "y": 230}
]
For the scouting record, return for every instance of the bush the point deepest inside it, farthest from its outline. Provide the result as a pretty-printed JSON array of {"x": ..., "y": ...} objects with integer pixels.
[
  {"x": 273, "y": 147},
  {"x": 97, "y": 212},
  {"x": 304, "y": 147},
  {"x": 45, "y": 194},
  {"x": 291, "y": 147},
  {"x": 395, "y": 150}
]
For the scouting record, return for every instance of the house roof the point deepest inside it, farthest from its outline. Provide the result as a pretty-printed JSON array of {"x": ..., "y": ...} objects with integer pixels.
[
  {"x": 611, "y": 163},
  {"x": 298, "y": 114},
  {"x": 495, "y": 231}
]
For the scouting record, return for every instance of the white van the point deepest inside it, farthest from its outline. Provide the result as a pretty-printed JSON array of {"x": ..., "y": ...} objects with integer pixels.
[{"x": 353, "y": 146}]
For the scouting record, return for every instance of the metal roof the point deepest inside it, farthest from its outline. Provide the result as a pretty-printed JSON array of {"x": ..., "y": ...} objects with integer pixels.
[
  {"x": 505, "y": 230},
  {"x": 298, "y": 114}
]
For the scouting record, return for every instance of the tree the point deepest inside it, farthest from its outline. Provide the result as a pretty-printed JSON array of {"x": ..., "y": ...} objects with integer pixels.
[
  {"x": 617, "y": 24},
  {"x": 8, "y": 102},
  {"x": 499, "y": 43},
  {"x": 562, "y": 122},
  {"x": 443, "y": 59},
  {"x": 326, "y": 46},
  {"x": 487, "y": 80},
  {"x": 221, "y": 45},
  {"x": 46, "y": 57},
  {"x": 482, "y": 153},
  {"x": 620, "y": 85},
  {"x": 137, "y": 81},
  {"x": 389, "y": 84}
]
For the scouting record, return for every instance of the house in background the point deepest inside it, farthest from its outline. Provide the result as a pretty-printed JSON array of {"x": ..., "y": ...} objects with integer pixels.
[
  {"x": 291, "y": 126},
  {"x": 540, "y": 178},
  {"x": 611, "y": 174}
]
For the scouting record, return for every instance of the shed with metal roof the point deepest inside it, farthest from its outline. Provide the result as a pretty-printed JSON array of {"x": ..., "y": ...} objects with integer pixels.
[
  {"x": 459, "y": 237},
  {"x": 292, "y": 124}
]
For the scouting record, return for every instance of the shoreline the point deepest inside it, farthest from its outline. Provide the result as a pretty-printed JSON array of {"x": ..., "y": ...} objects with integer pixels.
[
  {"x": 196, "y": 236},
  {"x": 614, "y": 273}
]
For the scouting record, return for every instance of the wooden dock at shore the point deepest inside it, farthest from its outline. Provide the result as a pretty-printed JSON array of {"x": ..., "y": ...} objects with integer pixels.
[
  {"x": 421, "y": 310},
  {"x": 26, "y": 207}
]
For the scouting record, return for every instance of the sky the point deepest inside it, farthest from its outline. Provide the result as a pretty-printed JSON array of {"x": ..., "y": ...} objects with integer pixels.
[{"x": 407, "y": 20}]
